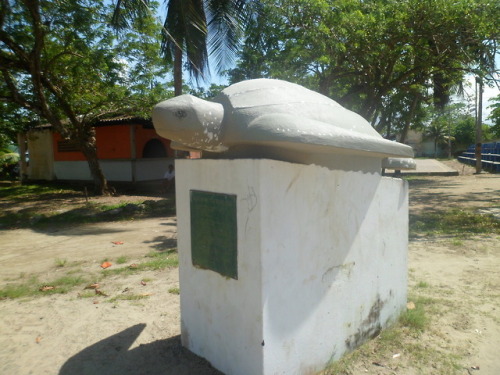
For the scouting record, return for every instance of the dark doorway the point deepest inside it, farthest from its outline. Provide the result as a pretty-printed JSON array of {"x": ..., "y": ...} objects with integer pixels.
[{"x": 154, "y": 148}]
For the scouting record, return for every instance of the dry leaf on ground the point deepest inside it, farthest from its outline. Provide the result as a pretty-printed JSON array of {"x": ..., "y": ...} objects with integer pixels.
[{"x": 46, "y": 288}]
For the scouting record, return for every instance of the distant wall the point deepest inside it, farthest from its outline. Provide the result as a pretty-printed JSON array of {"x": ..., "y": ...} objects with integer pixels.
[
  {"x": 41, "y": 158},
  {"x": 114, "y": 170},
  {"x": 119, "y": 149},
  {"x": 423, "y": 146}
]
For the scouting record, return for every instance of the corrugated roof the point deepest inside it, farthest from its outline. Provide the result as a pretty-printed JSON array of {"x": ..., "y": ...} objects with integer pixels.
[{"x": 120, "y": 120}]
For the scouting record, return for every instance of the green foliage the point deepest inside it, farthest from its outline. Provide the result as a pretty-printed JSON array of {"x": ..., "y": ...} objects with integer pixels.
[
  {"x": 209, "y": 93},
  {"x": 438, "y": 131},
  {"x": 61, "y": 64},
  {"x": 8, "y": 162},
  {"x": 465, "y": 131},
  {"x": 495, "y": 116},
  {"x": 383, "y": 59},
  {"x": 88, "y": 70}
]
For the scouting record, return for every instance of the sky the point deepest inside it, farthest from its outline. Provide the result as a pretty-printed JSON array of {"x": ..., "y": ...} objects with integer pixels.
[{"x": 489, "y": 92}]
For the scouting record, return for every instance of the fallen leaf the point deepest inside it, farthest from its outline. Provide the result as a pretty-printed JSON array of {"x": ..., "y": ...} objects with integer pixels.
[
  {"x": 92, "y": 286},
  {"x": 106, "y": 265},
  {"x": 143, "y": 282},
  {"x": 118, "y": 242},
  {"x": 96, "y": 302},
  {"x": 46, "y": 288},
  {"x": 146, "y": 294},
  {"x": 410, "y": 305},
  {"x": 38, "y": 339},
  {"x": 133, "y": 265}
]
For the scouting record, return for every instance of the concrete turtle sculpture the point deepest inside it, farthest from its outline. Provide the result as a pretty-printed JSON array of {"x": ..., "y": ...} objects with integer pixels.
[{"x": 253, "y": 118}]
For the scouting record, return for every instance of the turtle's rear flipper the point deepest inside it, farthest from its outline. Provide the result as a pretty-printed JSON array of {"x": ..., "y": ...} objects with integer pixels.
[{"x": 285, "y": 131}]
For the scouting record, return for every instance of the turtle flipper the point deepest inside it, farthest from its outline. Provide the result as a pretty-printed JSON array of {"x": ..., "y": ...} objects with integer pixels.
[{"x": 294, "y": 132}]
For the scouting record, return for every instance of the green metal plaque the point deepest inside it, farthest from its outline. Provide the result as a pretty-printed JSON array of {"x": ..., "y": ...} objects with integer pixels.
[{"x": 214, "y": 240}]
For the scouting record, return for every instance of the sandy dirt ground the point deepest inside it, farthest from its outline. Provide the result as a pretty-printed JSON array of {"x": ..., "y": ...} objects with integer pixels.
[{"x": 81, "y": 333}]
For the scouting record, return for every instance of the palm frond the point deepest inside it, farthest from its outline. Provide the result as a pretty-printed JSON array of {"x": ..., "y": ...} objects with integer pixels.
[
  {"x": 185, "y": 27},
  {"x": 226, "y": 21},
  {"x": 126, "y": 11}
]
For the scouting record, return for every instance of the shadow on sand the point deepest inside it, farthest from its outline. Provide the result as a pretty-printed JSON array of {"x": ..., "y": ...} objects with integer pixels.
[{"x": 112, "y": 356}]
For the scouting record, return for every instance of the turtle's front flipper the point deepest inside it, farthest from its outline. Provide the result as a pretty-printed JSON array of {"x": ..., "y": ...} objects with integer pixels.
[{"x": 285, "y": 131}]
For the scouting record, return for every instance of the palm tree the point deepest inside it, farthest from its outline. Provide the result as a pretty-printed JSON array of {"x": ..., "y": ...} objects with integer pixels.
[
  {"x": 192, "y": 29},
  {"x": 438, "y": 132}
]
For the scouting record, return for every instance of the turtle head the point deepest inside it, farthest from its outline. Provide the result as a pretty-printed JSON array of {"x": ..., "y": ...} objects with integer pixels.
[{"x": 190, "y": 121}]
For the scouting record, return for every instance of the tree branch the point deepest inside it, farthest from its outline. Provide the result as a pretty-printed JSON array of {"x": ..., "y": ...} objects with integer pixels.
[{"x": 15, "y": 95}]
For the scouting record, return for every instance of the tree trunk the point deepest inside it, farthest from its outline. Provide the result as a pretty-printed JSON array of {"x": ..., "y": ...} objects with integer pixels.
[
  {"x": 177, "y": 71},
  {"x": 404, "y": 133},
  {"x": 89, "y": 150}
]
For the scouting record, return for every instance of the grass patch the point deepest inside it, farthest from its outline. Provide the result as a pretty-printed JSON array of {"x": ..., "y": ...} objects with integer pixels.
[
  {"x": 110, "y": 207},
  {"x": 61, "y": 262},
  {"x": 442, "y": 363},
  {"x": 32, "y": 287},
  {"x": 422, "y": 284},
  {"x": 65, "y": 284},
  {"x": 453, "y": 222},
  {"x": 87, "y": 294},
  {"x": 403, "y": 338},
  {"x": 25, "y": 289},
  {"x": 161, "y": 260},
  {"x": 174, "y": 291},
  {"x": 77, "y": 211},
  {"x": 121, "y": 260},
  {"x": 18, "y": 192},
  {"x": 457, "y": 242},
  {"x": 415, "y": 319},
  {"x": 73, "y": 278},
  {"x": 155, "y": 261}
]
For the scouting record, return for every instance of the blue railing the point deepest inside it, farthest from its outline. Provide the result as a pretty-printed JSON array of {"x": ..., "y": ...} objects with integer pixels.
[{"x": 490, "y": 156}]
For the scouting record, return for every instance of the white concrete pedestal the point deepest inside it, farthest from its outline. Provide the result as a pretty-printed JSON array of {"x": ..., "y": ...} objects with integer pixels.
[{"x": 321, "y": 261}]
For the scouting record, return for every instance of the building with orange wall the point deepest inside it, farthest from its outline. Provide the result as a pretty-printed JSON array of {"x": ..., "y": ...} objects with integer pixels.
[{"x": 128, "y": 150}]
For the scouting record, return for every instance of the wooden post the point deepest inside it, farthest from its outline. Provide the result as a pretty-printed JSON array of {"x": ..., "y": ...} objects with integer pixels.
[
  {"x": 133, "y": 152},
  {"x": 479, "y": 111},
  {"x": 23, "y": 168}
]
